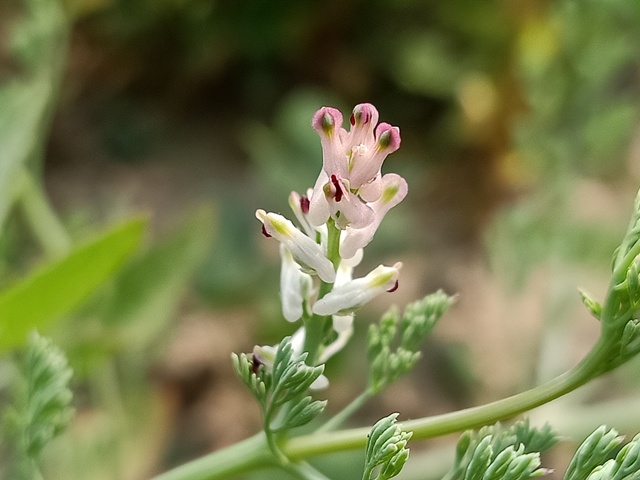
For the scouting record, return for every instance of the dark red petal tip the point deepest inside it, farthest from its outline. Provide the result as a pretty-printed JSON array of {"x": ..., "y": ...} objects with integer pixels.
[
  {"x": 338, "y": 187},
  {"x": 304, "y": 204},
  {"x": 394, "y": 288}
]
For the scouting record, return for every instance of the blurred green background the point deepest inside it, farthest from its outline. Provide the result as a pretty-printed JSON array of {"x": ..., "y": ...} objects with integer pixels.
[{"x": 520, "y": 143}]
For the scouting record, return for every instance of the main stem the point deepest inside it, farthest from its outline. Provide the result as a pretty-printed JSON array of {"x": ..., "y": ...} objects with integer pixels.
[
  {"x": 254, "y": 453},
  {"x": 429, "y": 427},
  {"x": 316, "y": 325}
]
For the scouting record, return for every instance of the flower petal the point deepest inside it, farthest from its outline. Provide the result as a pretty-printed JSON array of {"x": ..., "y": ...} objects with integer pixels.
[
  {"x": 338, "y": 344},
  {"x": 394, "y": 190},
  {"x": 364, "y": 119},
  {"x": 300, "y": 207},
  {"x": 294, "y": 286},
  {"x": 367, "y": 161},
  {"x": 328, "y": 123},
  {"x": 351, "y": 211},
  {"x": 305, "y": 251},
  {"x": 354, "y": 294},
  {"x": 318, "y": 204}
]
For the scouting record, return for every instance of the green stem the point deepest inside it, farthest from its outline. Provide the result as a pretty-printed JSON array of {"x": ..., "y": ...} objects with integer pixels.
[
  {"x": 41, "y": 218},
  {"x": 241, "y": 457},
  {"x": 315, "y": 444},
  {"x": 315, "y": 325},
  {"x": 255, "y": 453},
  {"x": 314, "y": 328},
  {"x": 342, "y": 416},
  {"x": 305, "y": 471}
]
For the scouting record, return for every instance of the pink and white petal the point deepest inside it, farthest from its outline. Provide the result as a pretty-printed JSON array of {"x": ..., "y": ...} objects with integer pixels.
[
  {"x": 394, "y": 190},
  {"x": 371, "y": 191},
  {"x": 354, "y": 260},
  {"x": 327, "y": 122},
  {"x": 264, "y": 355},
  {"x": 363, "y": 120},
  {"x": 366, "y": 165},
  {"x": 300, "y": 208},
  {"x": 350, "y": 210},
  {"x": 355, "y": 239},
  {"x": 319, "y": 211},
  {"x": 387, "y": 138}
]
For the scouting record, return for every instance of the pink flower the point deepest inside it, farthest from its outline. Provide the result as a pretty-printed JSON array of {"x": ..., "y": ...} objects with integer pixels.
[
  {"x": 351, "y": 163},
  {"x": 394, "y": 189}
]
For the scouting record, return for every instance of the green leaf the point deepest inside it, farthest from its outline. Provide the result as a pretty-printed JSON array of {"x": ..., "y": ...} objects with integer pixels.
[
  {"x": 499, "y": 453},
  {"x": 592, "y": 305},
  {"x": 594, "y": 458},
  {"x": 301, "y": 413},
  {"x": 255, "y": 378},
  {"x": 386, "y": 363},
  {"x": 291, "y": 375},
  {"x": 386, "y": 447},
  {"x": 39, "y": 43},
  {"x": 594, "y": 451},
  {"x": 58, "y": 287},
  {"x": 41, "y": 404},
  {"x": 23, "y": 106}
]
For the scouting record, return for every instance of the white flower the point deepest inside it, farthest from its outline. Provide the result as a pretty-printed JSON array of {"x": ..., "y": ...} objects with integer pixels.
[
  {"x": 306, "y": 252},
  {"x": 354, "y": 294},
  {"x": 295, "y": 286}
]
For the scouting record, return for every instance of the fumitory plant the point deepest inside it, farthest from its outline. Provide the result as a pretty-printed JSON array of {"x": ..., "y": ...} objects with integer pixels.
[{"x": 336, "y": 220}]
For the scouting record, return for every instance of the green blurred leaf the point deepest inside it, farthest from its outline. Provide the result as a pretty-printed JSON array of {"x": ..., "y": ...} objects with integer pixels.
[
  {"x": 607, "y": 134},
  {"x": 58, "y": 287},
  {"x": 38, "y": 44},
  {"x": 40, "y": 408},
  {"x": 22, "y": 107},
  {"x": 424, "y": 65}
]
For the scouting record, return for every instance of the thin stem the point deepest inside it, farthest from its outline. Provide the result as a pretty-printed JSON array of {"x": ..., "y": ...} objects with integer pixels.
[
  {"x": 304, "y": 471},
  {"x": 43, "y": 221},
  {"x": 241, "y": 457},
  {"x": 342, "y": 416},
  {"x": 333, "y": 243},
  {"x": 366, "y": 475},
  {"x": 254, "y": 453},
  {"x": 315, "y": 325},
  {"x": 429, "y": 427}
]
